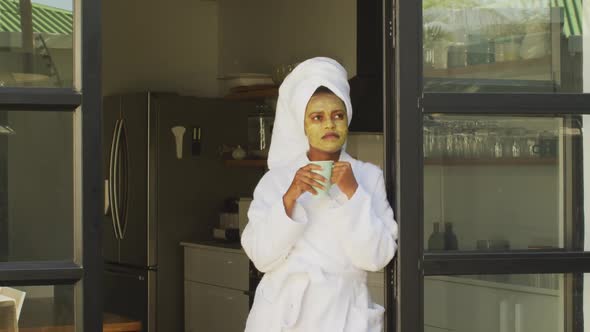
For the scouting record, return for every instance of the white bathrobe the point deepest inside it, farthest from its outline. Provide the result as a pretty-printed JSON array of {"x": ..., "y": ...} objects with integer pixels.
[{"x": 315, "y": 262}]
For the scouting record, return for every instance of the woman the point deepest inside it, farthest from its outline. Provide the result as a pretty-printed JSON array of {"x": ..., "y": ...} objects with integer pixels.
[{"x": 315, "y": 252}]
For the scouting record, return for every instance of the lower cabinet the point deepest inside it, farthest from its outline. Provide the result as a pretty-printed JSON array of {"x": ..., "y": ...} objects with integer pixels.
[
  {"x": 216, "y": 284},
  {"x": 213, "y": 308}
]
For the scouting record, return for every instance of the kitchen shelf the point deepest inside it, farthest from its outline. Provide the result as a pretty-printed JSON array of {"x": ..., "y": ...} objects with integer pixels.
[
  {"x": 253, "y": 94},
  {"x": 506, "y": 286},
  {"x": 521, "y": 67},
  {"x": 491, "y": 162},
  {"x": 261, "y": 163}
]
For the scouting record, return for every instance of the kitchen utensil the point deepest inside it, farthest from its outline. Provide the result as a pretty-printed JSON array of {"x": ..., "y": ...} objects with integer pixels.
[
  {"x": 260, "y": 124},
  {"x": 178, "y": 133}
]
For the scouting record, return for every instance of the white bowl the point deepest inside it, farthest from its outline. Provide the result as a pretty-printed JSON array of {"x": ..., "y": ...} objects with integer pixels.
[{"x": 246, "y": 79}]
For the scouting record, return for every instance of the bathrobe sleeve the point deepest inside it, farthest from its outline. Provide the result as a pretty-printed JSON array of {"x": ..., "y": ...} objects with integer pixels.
[
  {"x": 368, "y": 228},
  {"x": 271, "y": 233}
]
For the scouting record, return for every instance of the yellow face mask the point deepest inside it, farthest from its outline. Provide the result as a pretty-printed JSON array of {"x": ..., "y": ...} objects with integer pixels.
[{"x": 326, "y": 122}]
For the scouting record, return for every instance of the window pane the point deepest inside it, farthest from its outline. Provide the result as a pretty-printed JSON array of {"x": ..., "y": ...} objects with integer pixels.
[
  {"x": 504, "y": 45},
  {"x": 504, "y": 182},
  {"x": 43, "y": 308},
  {"x": 492, "y": 303},
  {"x": 36, "y": 42},
  {"x": 36, "y": 186}
]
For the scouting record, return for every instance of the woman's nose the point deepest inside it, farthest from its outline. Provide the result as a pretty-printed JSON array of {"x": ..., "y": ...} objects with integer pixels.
[{"x": 329, "y": 123}]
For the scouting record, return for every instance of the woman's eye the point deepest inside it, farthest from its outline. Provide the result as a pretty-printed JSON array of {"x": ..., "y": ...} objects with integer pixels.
[
  {"x": 339, "y": 116},
  {"x": 316, "y": 118}
]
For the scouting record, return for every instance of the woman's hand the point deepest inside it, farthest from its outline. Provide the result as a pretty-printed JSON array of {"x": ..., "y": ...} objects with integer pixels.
[
  {"x": 305, "y": 180},
  {"x": 343, "y": 176}
]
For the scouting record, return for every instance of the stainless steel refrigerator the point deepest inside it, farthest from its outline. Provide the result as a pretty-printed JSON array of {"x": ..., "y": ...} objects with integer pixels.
[{"x": 153, "y": 200}]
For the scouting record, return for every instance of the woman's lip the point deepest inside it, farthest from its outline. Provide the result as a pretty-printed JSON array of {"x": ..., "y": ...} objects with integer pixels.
[{"x": 331, "y": 135}]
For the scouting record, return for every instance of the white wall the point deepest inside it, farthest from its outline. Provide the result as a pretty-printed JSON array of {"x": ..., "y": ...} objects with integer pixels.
[
  {"x": 183, "y": 45},
  {"x": 160, "y": 46},
  {"x": 366, "y": 147},
  {"x": 256, "y": 37}
]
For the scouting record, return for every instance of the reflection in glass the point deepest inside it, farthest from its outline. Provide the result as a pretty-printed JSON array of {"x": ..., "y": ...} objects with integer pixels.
[
  {"x": 503, "y": 45},
  {"x": 37, "y": 308},
  {"x": 36, "y": 186},
  {"x": 489, "y": 138},
  {"x": 36, "y": 43},
  {"x": 496, "y": 183},
  {"x": 510, "y": 303}
]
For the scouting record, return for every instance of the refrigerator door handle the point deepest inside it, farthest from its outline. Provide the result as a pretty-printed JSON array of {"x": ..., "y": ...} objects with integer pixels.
[
  {"x": 107, "y": 199},
  {"x": 122, "y": 182},
  {"x": 111, "y": 180},
  {"x": 115, "y": 181}
]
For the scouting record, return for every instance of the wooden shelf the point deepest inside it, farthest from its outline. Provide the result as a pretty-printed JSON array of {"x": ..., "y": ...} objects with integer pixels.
[
  {"x": 260, "y": 163},
  {"x": 38, "y": 315},
  {"x": 253, "y": 94},
  {"x": 491, "y": 162},
  {"x": 111, "y": 323}
]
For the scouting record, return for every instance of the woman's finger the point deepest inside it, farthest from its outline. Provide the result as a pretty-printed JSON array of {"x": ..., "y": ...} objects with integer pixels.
[
  {"x": 340, "y": 170},
  {"x": 341, "y": 167},
  {"x": 309, "y": 167},
  {"x": 311, "y": 182},
  {"x": 308, "y": 173},
  {"x": 314, "y": 176},
  {"x": 341, "y": 163},
  {"x": 310, "y": 189}
]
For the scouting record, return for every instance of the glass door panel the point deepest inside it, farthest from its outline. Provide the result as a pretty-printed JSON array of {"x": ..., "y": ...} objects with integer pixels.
[
  {"x": 36, "y": 186},
  {"x": 503, "y": 46},
  {"x": 497, "y": 183},
  {"x": 36, "y": 43},
  {"x": 507, "y": 303},
  {"x": 50, "y": 183},
  {"x": 38, "y": 308}
]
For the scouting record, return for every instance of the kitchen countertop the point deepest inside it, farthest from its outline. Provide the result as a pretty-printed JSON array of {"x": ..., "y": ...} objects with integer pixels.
[{"x": 234, "y": 247}]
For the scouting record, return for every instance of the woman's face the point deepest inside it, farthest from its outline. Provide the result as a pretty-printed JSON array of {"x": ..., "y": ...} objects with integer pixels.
[{"x": 326, "y": 122}]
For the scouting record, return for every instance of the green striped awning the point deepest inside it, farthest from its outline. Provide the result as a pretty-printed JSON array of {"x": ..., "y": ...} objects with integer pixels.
[
  {"x": 45, "y": 18},
  {"x": 572, "y": 15}
]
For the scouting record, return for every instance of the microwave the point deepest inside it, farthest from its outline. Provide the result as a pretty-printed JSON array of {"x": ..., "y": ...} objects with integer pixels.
[{"x": 243, "y": 206}]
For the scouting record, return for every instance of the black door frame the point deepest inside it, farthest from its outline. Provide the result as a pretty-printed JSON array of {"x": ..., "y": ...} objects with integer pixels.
[
  {"x": 390, "y": 149},
  {"x": 406, "y": 106},
  {"x": 68, "y": 100},
  {"x": 92, "y": 189}
]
